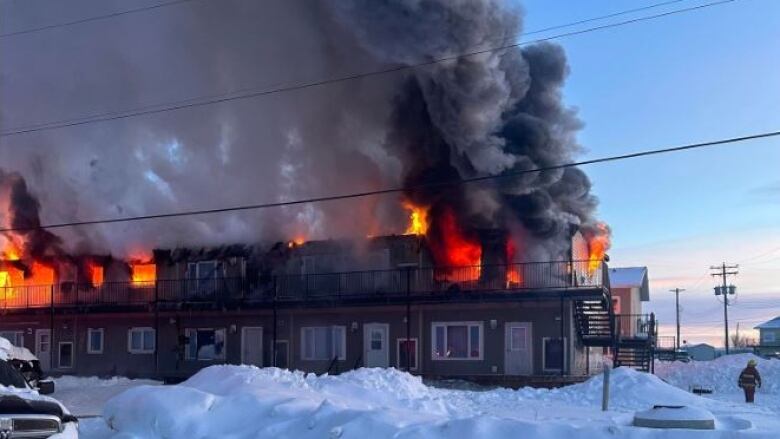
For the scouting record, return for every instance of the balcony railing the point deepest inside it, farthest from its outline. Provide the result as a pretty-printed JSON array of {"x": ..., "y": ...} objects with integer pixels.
[
  {"x": 416, "y": 281},
  {"x": 641, "y": 326}
]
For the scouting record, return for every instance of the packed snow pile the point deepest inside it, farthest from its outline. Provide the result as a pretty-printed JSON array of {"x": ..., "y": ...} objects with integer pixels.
[
  {"x": 247, "y": 402},
  {"x": 720, "y": 375},
  {"x": 9, "y": 351}
]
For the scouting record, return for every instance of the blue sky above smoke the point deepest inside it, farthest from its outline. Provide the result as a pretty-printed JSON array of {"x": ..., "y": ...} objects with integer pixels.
[{"x": 692, "y": 77}]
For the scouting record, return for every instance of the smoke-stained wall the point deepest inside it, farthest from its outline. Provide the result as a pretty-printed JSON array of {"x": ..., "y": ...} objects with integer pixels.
[{"x": 481, "y": 115}]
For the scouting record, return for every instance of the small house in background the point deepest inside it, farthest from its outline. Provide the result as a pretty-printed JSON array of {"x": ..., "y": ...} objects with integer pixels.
[
  {"x": 701, "y": 351},
  {"x": 769, "y": 338},
  {"x": 630, "y": 287}
]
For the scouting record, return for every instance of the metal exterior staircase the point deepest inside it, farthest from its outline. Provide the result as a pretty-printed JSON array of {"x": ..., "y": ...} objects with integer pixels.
[
  {"x": 635, "y": 342},
  {"x": 595, "y": 322}
]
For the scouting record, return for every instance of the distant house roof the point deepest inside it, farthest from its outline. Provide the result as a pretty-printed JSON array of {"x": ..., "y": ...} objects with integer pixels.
[
  {"x": 631, "y": 277},
  {"x": 772, "y": 324},
  {"x": 699, "y": 346}
]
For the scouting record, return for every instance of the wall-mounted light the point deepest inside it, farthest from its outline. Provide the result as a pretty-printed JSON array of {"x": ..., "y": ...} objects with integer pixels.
[
  {"x": 233, "y": 329},
  {"x": 354, "y": 326},
  {"x": 493, "y": 324}
]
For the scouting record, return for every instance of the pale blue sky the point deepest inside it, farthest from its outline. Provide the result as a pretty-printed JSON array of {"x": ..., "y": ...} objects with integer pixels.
[{"x": 696, "y": 76}]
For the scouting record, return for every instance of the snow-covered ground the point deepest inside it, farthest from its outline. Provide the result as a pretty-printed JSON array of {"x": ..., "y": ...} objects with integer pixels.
[{"x": 247, "y": 402}]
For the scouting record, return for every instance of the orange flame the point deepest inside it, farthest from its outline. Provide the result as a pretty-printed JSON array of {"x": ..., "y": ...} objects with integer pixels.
[
  {"x": 296, "y": 242},
  {"x": 513, "y": 276},
  {"x": 11, "y": 251},
  {"x": 40, "y": 274},
  {"x": 598, "y": 244},
  {"x": 457, "y": 250},
  {"x": 418, "y": 219},
  {"x": 143, "y": 274},
  {"x": 95, "y": 273}
]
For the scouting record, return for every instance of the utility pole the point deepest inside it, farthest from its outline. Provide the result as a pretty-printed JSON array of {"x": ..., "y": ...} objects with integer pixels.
[
  {"x": 676, "y": 292},
  {"x": 725, "y": 290}
]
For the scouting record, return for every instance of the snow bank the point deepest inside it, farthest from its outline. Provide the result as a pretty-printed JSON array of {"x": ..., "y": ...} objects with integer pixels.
[
  {"x": 720, "y": 374},
  {"x": 9, "y": 351},
  {"x": 247, "y": 402}
]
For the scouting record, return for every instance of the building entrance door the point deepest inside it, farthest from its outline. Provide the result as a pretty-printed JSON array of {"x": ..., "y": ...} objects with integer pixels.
[
  {"x": 43, "y": 348},
  {"x": 252, "y": 346},
  {"x": 375, "y": 344},
  {"x": 517, "y": 341}
]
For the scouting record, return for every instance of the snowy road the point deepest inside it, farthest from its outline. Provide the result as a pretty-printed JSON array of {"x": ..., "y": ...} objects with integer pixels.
[{"x": 246, "y": 402}]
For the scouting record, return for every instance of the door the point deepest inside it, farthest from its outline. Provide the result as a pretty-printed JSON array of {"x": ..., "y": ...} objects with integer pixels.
[
  {"x": 43, "y": 348},
  {"x": 375, "y": 349},
  {"x": 282, "y": 350},
  {"x": 252, "y": 346},
  {"x": 517, "y": 340}
]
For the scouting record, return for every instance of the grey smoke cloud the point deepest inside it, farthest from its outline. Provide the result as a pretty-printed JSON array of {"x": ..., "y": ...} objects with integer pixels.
[{"x": 480, "y": 115}]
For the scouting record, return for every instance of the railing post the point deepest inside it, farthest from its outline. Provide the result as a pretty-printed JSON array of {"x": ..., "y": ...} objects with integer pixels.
[{"x": 156, "y": 327}]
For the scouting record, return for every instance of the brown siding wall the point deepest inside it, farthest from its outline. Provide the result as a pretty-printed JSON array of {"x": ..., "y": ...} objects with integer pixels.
[{"x": 169, "y": 361}]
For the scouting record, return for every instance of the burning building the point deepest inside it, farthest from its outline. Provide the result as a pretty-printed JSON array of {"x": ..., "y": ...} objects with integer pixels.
[{"x": 483, "y": 265}]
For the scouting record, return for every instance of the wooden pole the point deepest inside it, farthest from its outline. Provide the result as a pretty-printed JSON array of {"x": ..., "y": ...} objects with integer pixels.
[{"x": 605, "y": 391}]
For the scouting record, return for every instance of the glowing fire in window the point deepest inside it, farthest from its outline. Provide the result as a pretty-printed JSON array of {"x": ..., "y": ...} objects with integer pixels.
[
  {"x": 95, "y": 272},
  {"x": 459, "y": 255},
  {"x": 40, "y": 274},
  {"x": 418, "y": 219},
  {"x": 513, "y": 276},
  {"x": 143, "y": 274}
]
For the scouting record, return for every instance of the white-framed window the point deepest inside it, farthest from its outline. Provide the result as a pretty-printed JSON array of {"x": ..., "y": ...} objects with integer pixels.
[
  {"x": 553, "y": 354},
  {"x": 15, "y": 337},
  {"x": 457, "y": 340},
  {"x": 407, "y": 351},
  {"x": 95, "y": 340},
  {"x": 323, "y": 342},
  {"x": 140, "y": 340},
  {"x": 768, "y": 336},
  {"x": 205, "y": 344},
  {"x": 65, "y": 355}
]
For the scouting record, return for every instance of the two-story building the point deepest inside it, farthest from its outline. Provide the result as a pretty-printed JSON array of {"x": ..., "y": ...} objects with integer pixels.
[{"x": 318, "y": 306}]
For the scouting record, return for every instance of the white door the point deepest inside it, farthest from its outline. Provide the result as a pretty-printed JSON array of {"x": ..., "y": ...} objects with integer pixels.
[
  {"x": 43, "y": 347},
  {"x": 252, "y": 345},
  {"x": 375, "y": 347},
  {"x": 517, "y": 340}
]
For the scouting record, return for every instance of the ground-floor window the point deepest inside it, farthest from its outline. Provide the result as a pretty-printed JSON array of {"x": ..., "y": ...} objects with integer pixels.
[
  {"x": 65, "y": 355},
  {"x": 407, "y": 353},
  {"x": 769, "y": 337},
  {"x": 205, "y": 344},
  {"x": 323, "y": 343},
  {"x": 15, "y": 337},
  {"x": 553, "y": 354},
  {"x": 457, "y": 340},
  {"x": 95, "y": 340},
  {"x": 140, "y": 340}
]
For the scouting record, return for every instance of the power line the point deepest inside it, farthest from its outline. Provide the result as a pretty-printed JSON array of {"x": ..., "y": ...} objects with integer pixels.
[
  {"x": 602, "y": 17},
  {"x": 403, "y": 189},
  {"x": 94, "y": 18},
  {"x": 199, "y": 102}
]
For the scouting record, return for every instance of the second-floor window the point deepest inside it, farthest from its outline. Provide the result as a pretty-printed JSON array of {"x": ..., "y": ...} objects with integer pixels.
[{"x": 203, "y": 275}]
